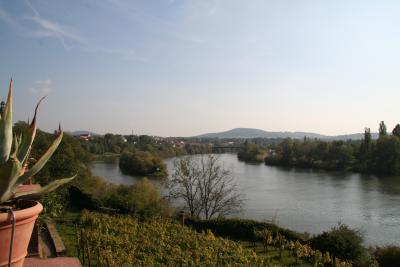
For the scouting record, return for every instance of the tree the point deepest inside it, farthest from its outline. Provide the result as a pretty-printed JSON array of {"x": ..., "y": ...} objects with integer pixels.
[
  {"x": 342, "y": 241},
  {"x": 146, "y": 201},
  {"x": 142, "y": 163},
  {"x": 364, "y": 155},
  {"x": 387, "y": 156},
  {"x": 286, "y": 148},
  {"x": 382, "y": 129},
  {"x": 206, "y": 188},
  {"x": 367, "y": 137},
  {"x": 396, "y": 130},
  {"x": 251, "y": 152}
]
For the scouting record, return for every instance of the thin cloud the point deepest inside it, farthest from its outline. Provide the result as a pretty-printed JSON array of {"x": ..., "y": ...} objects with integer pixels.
[
  {"x": 153, "y": 23},
  {"x": 41, "y": 87},
  {"x": 47, "y": 28},
  {"x": 52, "y": 29},
  {"x": 40, "y": 27}
]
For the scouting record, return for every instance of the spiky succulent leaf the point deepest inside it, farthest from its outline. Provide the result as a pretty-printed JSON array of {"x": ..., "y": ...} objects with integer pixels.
[
  {"x": 28, "y": 135},
  {"x": 9, "y": 173},
  {"x": 6, "y": 137},
  {"x": 17, "y": 143},
  {"x": 46, "y": 189},
  {"x": 42, "y": 161}
]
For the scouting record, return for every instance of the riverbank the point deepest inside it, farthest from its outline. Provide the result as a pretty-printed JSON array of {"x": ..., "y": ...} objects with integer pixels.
[{"x": 306, "y": 200}]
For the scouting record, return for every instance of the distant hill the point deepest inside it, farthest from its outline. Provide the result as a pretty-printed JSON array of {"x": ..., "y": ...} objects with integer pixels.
[{"x": 258, "y": 133}]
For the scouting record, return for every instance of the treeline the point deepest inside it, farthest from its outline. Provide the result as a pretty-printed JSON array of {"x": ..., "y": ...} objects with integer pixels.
[
  {"x": 381, "y": 156},
  {"x": 141, "y": 155},
  {"x": 162, "y": 147}
]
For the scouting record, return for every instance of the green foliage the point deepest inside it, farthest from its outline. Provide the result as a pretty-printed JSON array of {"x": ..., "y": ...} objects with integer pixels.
[
  {"x": 269, "y": 235},
  {"x": 241, "y": 229},
  {"x": 382, "y": 129},
  {"x": 380, "y": 156},
  {"x": 143, "y": 164},
  {"x": 342, "y": 242},
  {"x": 69, "y": 159},
  {"x": 142, "y": 199},
  {"x": 54, "y": 203},
  {"x": 15, "y": 169},
  {"x": 162, "y": 147},
  {"x": 124, "y": 241},
  {"x": 251, "y": 152},
  {"x": 396, "y": 130},
  {"x": 192, "y": 149},
  {"x": 336, "y": 155},
  {"x": 298, "y": 250},
  {"x": 388, "y": 256},
  {"x": 386, "y": 155}
]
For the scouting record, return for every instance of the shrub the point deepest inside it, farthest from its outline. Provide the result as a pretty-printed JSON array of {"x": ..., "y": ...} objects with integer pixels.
[
  {"x": 146, "y": 201},
  {"x": 82, "y": 200},
  {"x": 388, "y": 256},
  {"x": 341, "y": 241},
  {"x": 239, "y": 228}
]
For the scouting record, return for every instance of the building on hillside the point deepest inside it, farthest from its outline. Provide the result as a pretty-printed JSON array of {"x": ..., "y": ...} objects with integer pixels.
[{"x": 85, "y": 137}]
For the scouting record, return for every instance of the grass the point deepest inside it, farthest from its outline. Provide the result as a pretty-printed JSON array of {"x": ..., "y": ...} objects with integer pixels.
[{"x": 67, "y": 231}]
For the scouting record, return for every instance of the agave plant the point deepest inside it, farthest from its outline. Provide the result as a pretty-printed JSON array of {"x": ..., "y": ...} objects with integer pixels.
[{"x": 14, "y": 169}]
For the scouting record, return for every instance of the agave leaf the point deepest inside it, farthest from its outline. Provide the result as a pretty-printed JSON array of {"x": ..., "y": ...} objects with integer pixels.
[
  {"x": 42, "y": 161},
  {"x": 28, "y": 136},
  {"x": 17, "y": 143},
  {"x": 9, "y": 173},
  {"x": 46, "y": 189},
  {"x": 6, "y": 137}
]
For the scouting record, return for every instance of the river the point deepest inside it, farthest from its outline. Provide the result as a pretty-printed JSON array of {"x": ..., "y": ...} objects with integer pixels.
[{"x": 306, "y": 200}]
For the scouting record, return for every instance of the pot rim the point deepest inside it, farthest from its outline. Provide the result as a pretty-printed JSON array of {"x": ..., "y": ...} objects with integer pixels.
[{"x": 22, "y": 214}]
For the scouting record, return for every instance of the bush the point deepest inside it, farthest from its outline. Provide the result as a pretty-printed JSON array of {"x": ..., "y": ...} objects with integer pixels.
[
  {"x": 144, "y": 200},
  {"x": 388, "y": 256},
  {"x": 82, "y": 200},
  {"x": 239, "y": 228},
  {"x": 341, "y": 241}
]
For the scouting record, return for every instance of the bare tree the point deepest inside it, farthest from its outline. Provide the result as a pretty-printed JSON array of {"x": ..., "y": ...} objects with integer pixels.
[{"x": 206, "y": 188}]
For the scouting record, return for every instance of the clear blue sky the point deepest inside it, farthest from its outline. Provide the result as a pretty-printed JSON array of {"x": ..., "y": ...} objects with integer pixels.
[{"x": 180, "y": 68}]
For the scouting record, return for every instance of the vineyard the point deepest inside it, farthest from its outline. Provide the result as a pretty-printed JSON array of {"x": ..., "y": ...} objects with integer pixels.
[
  {"x": 104, "y": 240},
  {"x": 296, "y": 249}
]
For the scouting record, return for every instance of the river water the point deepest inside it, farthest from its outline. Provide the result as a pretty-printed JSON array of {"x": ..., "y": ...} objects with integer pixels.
[{"x": 306, "y": 200}]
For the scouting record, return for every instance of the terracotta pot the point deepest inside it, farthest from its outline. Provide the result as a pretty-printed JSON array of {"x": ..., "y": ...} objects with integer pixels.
[{"x": 24, "y": 221}]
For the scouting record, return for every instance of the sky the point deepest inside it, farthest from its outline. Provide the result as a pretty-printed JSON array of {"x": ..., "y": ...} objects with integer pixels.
[{"x": 182, "y": 68}]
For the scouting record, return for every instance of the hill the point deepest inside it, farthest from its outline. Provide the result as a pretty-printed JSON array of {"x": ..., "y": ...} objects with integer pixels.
[{"x": 258, "y": 133}]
